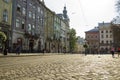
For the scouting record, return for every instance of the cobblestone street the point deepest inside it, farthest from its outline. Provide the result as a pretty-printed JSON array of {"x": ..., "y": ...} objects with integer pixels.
[{"x": 60, "y": 67}]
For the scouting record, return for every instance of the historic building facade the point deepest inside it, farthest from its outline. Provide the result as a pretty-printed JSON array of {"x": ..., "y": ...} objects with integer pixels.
[
  {"x": 64, "y": 37},
  {"x": 92, "y": 39},
  {"x": 35, "y": 27},
  {"x": 57, "y": 33},
  {"x": 27, "y": 24},
  {"x": 106, "y": 37},
  {"x": 101, "y": 38},
  {"x": 48, "y": 25},
  {"x": 5, "y": 18}
]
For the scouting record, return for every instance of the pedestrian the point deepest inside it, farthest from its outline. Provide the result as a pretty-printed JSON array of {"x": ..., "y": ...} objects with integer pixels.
[
  {"x": 112, "y": 51},
  {"x": 118, "y": 51},
  {"x": 5, "y": 51},
  {"x": 18, "y": 49}
]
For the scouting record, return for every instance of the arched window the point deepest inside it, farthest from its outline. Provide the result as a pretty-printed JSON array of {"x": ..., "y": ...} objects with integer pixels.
[{"x": 5, "y": 15}]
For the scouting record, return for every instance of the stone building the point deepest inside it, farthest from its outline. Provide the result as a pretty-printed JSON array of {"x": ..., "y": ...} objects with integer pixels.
[
  {"x": 34, "y": 26},
  {"x": 27, "y": 24},
  {"x": 5, "y": 19},
  {"x": 92, "y": 39},
  {"x": 65, "y": 27},
  {"x": 106, "y": 37}
]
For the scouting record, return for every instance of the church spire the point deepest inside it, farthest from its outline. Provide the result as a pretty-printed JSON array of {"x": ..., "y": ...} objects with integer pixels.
[
  {"x": 66, "y": 18},
  {"x": 65, "y": 12}
]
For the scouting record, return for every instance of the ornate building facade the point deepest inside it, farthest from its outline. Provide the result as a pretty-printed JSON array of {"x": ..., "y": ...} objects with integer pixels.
[{"x": 5, "y": 18}]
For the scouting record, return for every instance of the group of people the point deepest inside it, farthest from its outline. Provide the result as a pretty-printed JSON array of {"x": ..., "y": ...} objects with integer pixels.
[{"x": 113, "y": 51}]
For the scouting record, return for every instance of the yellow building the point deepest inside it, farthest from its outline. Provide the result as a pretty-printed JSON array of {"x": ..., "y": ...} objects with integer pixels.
[
  {"x": 5, "y": 17},
  {"x": 48, "y": 25}
]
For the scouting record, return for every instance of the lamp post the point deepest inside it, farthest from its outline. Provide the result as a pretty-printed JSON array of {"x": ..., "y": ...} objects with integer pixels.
[{"x": 86, "y": 47}]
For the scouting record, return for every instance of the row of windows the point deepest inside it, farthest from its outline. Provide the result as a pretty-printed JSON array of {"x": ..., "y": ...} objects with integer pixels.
[
  {"x": 102, "y": 36},
  {"x": 20, "y": 23},
  {"x": 31, "y": 27},
  {"x": 107, "y": 36},
  {"x": 30, "y": 13},
  {"x": 106, "y": 31},
  {"x": 107, "y": 42},
  {"x": 92, "y": 36}
]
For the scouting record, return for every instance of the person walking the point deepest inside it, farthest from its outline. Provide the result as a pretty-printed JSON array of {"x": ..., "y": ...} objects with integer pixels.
[
  {"x": 5, "y": 50},
  {"x": 112, "y": 51},
  {"x": 118, "y": 51},
  {"x": 18, "y": 49}
]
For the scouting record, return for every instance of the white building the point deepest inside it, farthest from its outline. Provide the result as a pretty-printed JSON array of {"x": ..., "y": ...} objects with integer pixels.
[{"x": 106, "y": 36}]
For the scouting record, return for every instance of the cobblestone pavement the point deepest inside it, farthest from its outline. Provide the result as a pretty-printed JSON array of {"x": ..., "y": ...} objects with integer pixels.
[{"x": 60, "y": 67}]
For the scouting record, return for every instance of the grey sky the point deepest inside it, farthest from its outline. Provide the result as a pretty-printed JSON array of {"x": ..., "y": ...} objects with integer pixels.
[{"x": 84, "y": 14}]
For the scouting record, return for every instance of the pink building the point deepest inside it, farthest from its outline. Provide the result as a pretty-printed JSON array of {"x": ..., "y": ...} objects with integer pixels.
[{"x": 92, "y": 39}]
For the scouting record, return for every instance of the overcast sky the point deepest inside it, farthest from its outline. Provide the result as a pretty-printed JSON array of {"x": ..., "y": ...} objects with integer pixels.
[{"x": 84, "y": 14}]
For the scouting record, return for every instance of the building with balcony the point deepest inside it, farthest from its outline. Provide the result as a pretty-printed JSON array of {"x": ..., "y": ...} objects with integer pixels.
[
  {"x": 27, "y": 25},
  {"x": 34, "y": 26}
]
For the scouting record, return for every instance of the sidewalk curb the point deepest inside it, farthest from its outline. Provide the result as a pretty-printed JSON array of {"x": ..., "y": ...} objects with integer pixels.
[{"x": 29, "y": 54}]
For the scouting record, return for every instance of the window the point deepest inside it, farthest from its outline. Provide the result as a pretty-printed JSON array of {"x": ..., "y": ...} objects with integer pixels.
[
  {"x": 38, "y": 9},
  {"x": 101, "y": 31},
  {"x": 29, "y": 27},
  {"x": 106, "y": 31},
  {"x": 17, "y": 23},
  {"x": 33, "y": 7},
  {"x": 110, "y": 41},
  {"x": 33, "y": 15},
  {"x": 106, "y": 42},
  {"x": 110, "y": 36},
  {"x": 41, "y": 12},
  {"x": 30, "y": 14},
  {"x": 18, "y": 8},
  {"x": 38, "y": 18},
  {"x": 30, "y": 4},
  {"x": 33, "y": 29},
  {"x": 102, "y": 42},
  {"x": 5, "y": 15},
  {"x": 106, "y": 36},
  {"x": 23, "y": 24},
  {"x": 24, "y": 11},
  {"x": 102, "y": 36}
]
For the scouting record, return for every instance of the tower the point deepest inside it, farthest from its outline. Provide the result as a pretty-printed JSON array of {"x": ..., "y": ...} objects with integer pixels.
[
  {"x": 65, "y": 16},
  {"x": 65, "y": 13}
]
